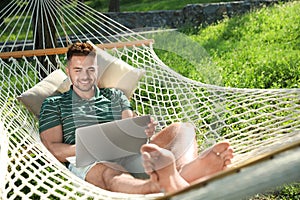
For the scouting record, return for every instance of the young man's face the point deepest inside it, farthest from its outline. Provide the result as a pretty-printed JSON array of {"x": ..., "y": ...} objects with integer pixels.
[{"x": 83, "y": 73}]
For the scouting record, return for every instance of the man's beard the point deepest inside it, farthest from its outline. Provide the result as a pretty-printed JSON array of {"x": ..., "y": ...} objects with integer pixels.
[{"x": 83, "y": 88}]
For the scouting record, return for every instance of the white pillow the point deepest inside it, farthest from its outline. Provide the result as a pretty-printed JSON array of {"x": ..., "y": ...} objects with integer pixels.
[
  {"x": 115, "y": 73},
  {"x": 54, "y": 83}
]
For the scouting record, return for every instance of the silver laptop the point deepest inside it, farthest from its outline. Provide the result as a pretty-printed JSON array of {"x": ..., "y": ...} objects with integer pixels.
[{"x": 109, "y": 141}]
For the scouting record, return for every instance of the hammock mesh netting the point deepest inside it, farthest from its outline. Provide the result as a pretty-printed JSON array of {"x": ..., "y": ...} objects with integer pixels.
[{"x": 255, "y": 121}]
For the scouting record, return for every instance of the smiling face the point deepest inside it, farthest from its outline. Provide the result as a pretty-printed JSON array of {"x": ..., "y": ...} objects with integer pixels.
[{"x": 83, "y": 73}]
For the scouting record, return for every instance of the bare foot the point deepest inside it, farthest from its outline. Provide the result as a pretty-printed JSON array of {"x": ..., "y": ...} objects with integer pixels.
[
  {"x": 159, "y": 163},
  {"x": 212, "y": 160}
]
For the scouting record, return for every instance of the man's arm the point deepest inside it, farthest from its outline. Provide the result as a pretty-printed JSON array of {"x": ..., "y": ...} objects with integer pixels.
[
  {"x": 53, "y": 140},
  {"x": 127, "y": 114}
]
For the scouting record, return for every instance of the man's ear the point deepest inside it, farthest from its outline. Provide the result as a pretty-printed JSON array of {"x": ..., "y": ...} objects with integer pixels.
[{"x": 67, "y": 70}]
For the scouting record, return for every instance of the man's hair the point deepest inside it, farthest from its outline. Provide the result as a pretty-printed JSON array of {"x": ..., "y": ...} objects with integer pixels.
[{"x": 80, "y": 49}]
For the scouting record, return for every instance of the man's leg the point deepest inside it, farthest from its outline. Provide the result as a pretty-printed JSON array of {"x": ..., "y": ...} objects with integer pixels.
[
  {"x": 110, "y": 176},
  {"x": 210, "y": 161},
  {"x": 159, "y": 164},
  {"x": 180, "y": 139}
]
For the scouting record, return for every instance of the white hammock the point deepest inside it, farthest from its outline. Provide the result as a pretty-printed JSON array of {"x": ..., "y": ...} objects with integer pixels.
[{"x": 260, "y": 124}]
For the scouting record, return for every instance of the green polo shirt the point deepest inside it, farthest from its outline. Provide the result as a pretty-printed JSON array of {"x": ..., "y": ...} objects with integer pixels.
[{"x": 71, "y": 111}]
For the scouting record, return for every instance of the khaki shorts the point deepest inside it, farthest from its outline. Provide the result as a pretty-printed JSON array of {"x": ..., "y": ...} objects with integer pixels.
[{"x": 133, "y": 165}]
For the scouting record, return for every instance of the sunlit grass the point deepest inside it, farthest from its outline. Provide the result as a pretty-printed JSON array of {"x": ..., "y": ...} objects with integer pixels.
[{"x": 259, "y": 50}]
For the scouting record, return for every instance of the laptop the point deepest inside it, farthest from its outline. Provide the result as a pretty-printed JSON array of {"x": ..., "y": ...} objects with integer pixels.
[{"x": 109, "y": 141}]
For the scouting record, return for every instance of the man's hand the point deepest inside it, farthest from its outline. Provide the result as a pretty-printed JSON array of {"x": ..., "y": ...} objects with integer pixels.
[{"x": 150, "y": 130}]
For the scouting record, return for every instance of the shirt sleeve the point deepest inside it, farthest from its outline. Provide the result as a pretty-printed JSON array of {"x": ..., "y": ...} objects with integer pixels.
[
  {"x": 124, "y": 102},
  {"x": 118, "y": 98},
  {"x": 50, "y": 114}
]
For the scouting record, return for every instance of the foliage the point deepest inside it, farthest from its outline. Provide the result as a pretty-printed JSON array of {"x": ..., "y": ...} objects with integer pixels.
[
  {"x": 286, "y": 192},
  {"x": 147, "y": 5}
]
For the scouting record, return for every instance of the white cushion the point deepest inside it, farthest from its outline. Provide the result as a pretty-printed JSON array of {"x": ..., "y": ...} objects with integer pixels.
[
  {"x": 51, "y": 85},
  {"x": 115, "y": 73}
]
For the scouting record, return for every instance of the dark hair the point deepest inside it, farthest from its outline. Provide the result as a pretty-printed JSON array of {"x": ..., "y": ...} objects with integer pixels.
[{"x": 80, "y": 49}]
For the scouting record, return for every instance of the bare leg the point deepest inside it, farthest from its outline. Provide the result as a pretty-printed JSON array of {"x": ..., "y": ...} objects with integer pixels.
[
  {"x": 159, "y": 163},
  {"x": 212, "y": 160},
  {"x": 110, "y": 176},
  {"x": 180, "y": 139}
]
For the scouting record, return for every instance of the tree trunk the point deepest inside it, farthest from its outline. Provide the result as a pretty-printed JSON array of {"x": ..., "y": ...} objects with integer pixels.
[
  {"x": 114, "y": 6},
  {"x": 45, "y": 36}
]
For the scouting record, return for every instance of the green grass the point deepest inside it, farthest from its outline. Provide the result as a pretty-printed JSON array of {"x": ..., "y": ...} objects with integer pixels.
[
  {"x": 147, "y": 5},
  {"x": 258, "y": 50}
]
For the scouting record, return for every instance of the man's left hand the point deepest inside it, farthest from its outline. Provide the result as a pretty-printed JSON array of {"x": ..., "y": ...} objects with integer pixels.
[{"x": 150, "y": 130}]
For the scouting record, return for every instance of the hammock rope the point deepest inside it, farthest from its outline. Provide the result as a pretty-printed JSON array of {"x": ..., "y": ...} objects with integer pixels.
[{"x": 255, "y": 121}]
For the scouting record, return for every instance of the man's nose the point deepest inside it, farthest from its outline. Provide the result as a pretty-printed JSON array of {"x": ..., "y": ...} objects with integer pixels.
[{"x": 85, "y": 74}]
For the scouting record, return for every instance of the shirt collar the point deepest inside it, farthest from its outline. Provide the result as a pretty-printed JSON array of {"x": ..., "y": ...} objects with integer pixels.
[{"x": 74, "y": 96}]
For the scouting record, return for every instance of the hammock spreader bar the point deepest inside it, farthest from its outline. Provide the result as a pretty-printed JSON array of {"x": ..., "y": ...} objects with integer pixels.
[{"x": 62, "y": 50}]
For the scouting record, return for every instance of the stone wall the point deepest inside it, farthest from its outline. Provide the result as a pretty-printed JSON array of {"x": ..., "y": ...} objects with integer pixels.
[{"x": 191, "y": 15}]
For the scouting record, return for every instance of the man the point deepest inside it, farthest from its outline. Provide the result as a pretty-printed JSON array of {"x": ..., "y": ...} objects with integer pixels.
[{"x": 170, "y": 160}]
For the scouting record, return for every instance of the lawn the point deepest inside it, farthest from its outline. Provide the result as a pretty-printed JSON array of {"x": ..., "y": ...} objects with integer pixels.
[{"x": 259, "y": 50}]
